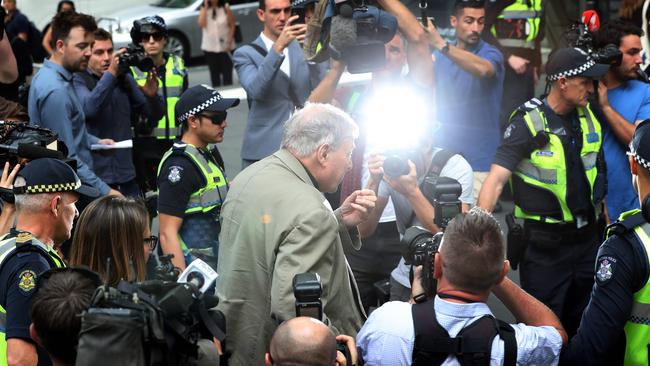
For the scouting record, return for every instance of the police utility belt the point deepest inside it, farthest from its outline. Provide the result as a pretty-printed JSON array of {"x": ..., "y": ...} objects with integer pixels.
[{"x": 552, "y": 235}]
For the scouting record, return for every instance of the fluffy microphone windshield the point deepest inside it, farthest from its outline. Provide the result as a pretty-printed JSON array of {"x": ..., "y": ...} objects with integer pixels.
[{"x": 343, "y": 35}]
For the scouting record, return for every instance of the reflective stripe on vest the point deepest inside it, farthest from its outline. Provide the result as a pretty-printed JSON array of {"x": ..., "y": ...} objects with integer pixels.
[
  {"x": 175, "y": 72},
  {"x": 546, "y": 167},
  {"x": 8, "y": 247},
  {"x": 637, "y": 328},
  {"x": 528, "y": 10},
  {"x": 211, "y": 195}
]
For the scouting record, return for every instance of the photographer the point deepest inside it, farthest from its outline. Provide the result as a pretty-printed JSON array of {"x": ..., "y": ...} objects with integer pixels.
[
  {"x": 109, "y": 97},
  {"x": 469, "y": 265},
  {"x": 46, "y": 191},
  {"x": 613, "y": 329},
  {"x": 307, "y": 341},
  {"x": 624, "y": 101},
  {"x": 552, "y": 153},
  {"x": 58, "y": 303},
  {"x": 411, "y": 206}
]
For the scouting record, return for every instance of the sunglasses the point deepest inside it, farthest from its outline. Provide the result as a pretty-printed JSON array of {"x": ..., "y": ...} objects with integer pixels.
[
  {"x": 158, "y": 36},
  {"x": 152, "y": 242},
  {"x": 217, "y": 118}
]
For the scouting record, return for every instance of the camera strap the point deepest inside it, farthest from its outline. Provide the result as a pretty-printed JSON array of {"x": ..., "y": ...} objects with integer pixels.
[
  {"x": 210, "y": 323},
  {"x": 438, "y": 162}
]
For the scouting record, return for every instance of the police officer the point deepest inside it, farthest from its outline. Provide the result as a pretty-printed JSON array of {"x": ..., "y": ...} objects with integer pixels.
[
  {"x": 615, "y": 328},
  {"x": 151, "y": 33},
  {"x": 551, "y": 152},
  {"x": 45, "y": 193},
  {"x": 191, "y": 179}
]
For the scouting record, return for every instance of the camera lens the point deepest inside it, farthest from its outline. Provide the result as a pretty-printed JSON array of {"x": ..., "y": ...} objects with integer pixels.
[{"x": 395, "y": 166}]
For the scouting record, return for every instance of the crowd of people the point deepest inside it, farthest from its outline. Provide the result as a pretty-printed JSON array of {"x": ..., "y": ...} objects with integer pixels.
[{"x": 333, "y": 178}]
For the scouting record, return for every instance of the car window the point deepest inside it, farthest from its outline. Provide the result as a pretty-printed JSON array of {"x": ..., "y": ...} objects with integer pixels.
[{"x": 173, "y": 3}]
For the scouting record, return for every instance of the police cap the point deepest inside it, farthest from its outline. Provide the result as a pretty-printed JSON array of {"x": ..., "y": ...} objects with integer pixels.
[
  {"x": 568, "y": 62},
  {"x": 48, "y": 175},
  {"x": 640, "y": 144}
]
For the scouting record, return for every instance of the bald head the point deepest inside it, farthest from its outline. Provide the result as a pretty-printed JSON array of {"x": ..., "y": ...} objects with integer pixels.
[{"x": 303, "y": 341}]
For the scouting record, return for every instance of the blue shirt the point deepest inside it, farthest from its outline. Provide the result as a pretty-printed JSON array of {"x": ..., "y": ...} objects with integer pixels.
[
  {"x": 388, "y": 336},
  {"x": 469, "y": 107},
  {"x": 632, "y": 101},
  {"x": 53, "y": 104},
  {"x": 107, "y": 106}
]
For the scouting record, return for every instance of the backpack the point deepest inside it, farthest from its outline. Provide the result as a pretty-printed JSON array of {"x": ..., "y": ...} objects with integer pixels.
[{"x": 472, "y": 346}]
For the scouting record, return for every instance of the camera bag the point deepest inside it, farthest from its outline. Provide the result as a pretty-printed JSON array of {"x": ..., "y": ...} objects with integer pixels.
[{"x": 472, "y": 346}]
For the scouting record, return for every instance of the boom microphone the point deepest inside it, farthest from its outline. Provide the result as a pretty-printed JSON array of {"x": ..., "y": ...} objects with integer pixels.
[
  {"x": 343, "y": 34},
  {"x": 31, "y": 151},
  {"x": 591, "y": 20}
]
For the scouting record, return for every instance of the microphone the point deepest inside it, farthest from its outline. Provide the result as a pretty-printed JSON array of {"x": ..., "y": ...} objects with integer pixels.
[
  {"x": 31, "y": 151},
  {"x": 591, "y": 20},
  {"x": 343, "y": 32}
]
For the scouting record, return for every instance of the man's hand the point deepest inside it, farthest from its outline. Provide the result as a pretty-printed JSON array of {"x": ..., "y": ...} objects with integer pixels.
[
  {"x": 407, "y": 185},
  {"x": 376, "y": 167},
  {"x": 434, "y": 37},
  {"x": 106, "y": 142},
  {"x": 7, "y": 179},
  {"x": 519, "y": 64},
  {"x": 352, "y": 347},
  {"x": 150, "y": 87},
  {"x": 114, "y": 67},
  {"x": 416, "y": 285},
  {"x": 115, "y": 193},
  {"x": 289, "y": 33},
  {"x": 603, "y": 98},
  {"x": 357, "y": 206}
]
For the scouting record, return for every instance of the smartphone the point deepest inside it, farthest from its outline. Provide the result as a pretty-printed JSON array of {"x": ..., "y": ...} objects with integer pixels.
[{"x": 300, "y": 12}]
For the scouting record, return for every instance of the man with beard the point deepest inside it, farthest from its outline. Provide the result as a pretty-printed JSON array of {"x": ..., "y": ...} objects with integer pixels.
[
  {"x": 53, "y": 103},
  {"x": 469, "y": 77},
  {"x": 624, "y": 101}
]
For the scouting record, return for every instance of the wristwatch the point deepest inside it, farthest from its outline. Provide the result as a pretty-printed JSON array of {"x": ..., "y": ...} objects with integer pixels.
[{"x": 445, "y": 48}]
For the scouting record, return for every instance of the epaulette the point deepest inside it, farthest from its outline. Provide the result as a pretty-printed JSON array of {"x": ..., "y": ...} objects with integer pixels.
[{"x": 621, "y": 227}]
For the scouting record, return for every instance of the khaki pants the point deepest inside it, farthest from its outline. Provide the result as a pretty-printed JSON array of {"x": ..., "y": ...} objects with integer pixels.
[{"x": 479, "y": 179}]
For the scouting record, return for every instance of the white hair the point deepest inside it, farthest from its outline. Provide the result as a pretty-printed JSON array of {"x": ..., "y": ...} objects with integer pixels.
[
  {"x": 31, "y": 203},
  {"x": 315, "y": 125}
]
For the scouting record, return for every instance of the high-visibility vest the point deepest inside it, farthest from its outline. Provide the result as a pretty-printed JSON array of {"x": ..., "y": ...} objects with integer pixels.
[
  {"x": 175, "y": 73},
  {"x": 204, "y": 205},
  {"x": 509, "y": 28},
  {"x": 8, "y": 246},
  {"x": 546, "y": 169}
]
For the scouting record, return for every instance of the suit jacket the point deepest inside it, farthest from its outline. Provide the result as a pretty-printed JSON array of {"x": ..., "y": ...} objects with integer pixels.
[
  {"x": 276, "y": 224},
  {"x": 267, "y": 89}
]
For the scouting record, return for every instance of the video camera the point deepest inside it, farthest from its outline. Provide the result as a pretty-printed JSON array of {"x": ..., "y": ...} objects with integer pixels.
[
  {"x": 134, "y": 56},
  {"x": 419, "y": 246},
  {"x": 579, "y": 35},
  {"x": 307, "y": 289},
  {"x": 156, "y": 322}
]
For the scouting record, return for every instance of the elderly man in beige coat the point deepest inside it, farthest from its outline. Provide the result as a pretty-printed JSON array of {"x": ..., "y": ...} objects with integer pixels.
[{"x": 276, "y": 223}]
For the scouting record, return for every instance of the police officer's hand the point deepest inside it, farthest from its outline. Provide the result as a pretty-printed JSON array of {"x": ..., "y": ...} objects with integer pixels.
[
  {"x": 407, "y": 185},
  {"x": 357, "y": 207},
  {"x": 376, "y": 167},
  {"x": 352, "y": 347},
  {"x": 289, "y": 33},
  {"x": 114, "y": 67},
  {"x": 150, "y": 87}
]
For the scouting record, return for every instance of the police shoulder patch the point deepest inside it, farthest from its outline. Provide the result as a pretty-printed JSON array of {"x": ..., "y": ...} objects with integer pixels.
[
  {"x": 508, "y": 131},
  {"x": 27, "y": 281},
  {"x": 605, "y": 269},
  {"x": 174, "y": 174}
]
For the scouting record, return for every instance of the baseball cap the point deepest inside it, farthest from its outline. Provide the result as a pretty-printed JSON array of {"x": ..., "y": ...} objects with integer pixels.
[
  {"x": 568, "y": 62},
  {"x": 48, "y": 175},
  {"x": 199, "y": 99},
  {"x": 640, "y": 144}
]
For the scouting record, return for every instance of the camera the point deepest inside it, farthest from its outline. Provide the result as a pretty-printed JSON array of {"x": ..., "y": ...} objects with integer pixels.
[
  {"x": 443, "y": 193},
  {"x": 396, "y": 162},
  {"x": 155, "y": 322},
  {"x": 419, "y": 247},
  {"x": 579, "y": 36},
  {"x": 307, "y": 290},
  {"x": 134, "y": 56}
]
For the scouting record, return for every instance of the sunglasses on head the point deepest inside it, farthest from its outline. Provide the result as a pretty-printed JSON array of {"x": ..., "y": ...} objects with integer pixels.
[
  {"x": 216, "y": 118},
  {"x": 158, "y": 36}
]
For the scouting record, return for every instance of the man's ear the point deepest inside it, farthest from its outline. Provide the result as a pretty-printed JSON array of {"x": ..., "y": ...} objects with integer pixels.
[
  {"x": 634, "y": 166},
  {"x": 562, "y": 83},
  {"x": 33, "y": 334},
  {"x": 453, "y": 21},
  {"x": 504, "y": 270},
  {"x": 268, "y": 361},
  {"x": 260, "y": 15},
  {"x": 323, "y": 152},
  {"x": 437, "y": 266},
  {"x": 58, "y": 45},
  {"x": 54, "y": 205}
]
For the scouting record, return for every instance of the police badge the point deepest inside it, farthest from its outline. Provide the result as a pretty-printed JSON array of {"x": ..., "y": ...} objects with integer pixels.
[{"x": 174, "y": 174}]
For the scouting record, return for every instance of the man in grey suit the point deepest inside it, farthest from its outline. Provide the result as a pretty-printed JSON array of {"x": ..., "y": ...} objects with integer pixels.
[
  {"x": 276, "y": 223},
  {"x": 277, "y": 78}
]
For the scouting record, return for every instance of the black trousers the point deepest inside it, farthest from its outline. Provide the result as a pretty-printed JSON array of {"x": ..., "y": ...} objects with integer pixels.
[
  {"x": 220, "y": 65},
  {"x": 374, "y": 262},
  {"x": 561, "y": 275}
]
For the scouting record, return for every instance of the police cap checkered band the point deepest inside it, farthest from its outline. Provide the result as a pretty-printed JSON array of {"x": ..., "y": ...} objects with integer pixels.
[
  {"x": 201, "y": 98},
  {"x": 48, "y": 176},
  {"x": 640, "y": 144},
  {"x": 155, "y": 20},
  {"x": 569, "y": 62}
]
